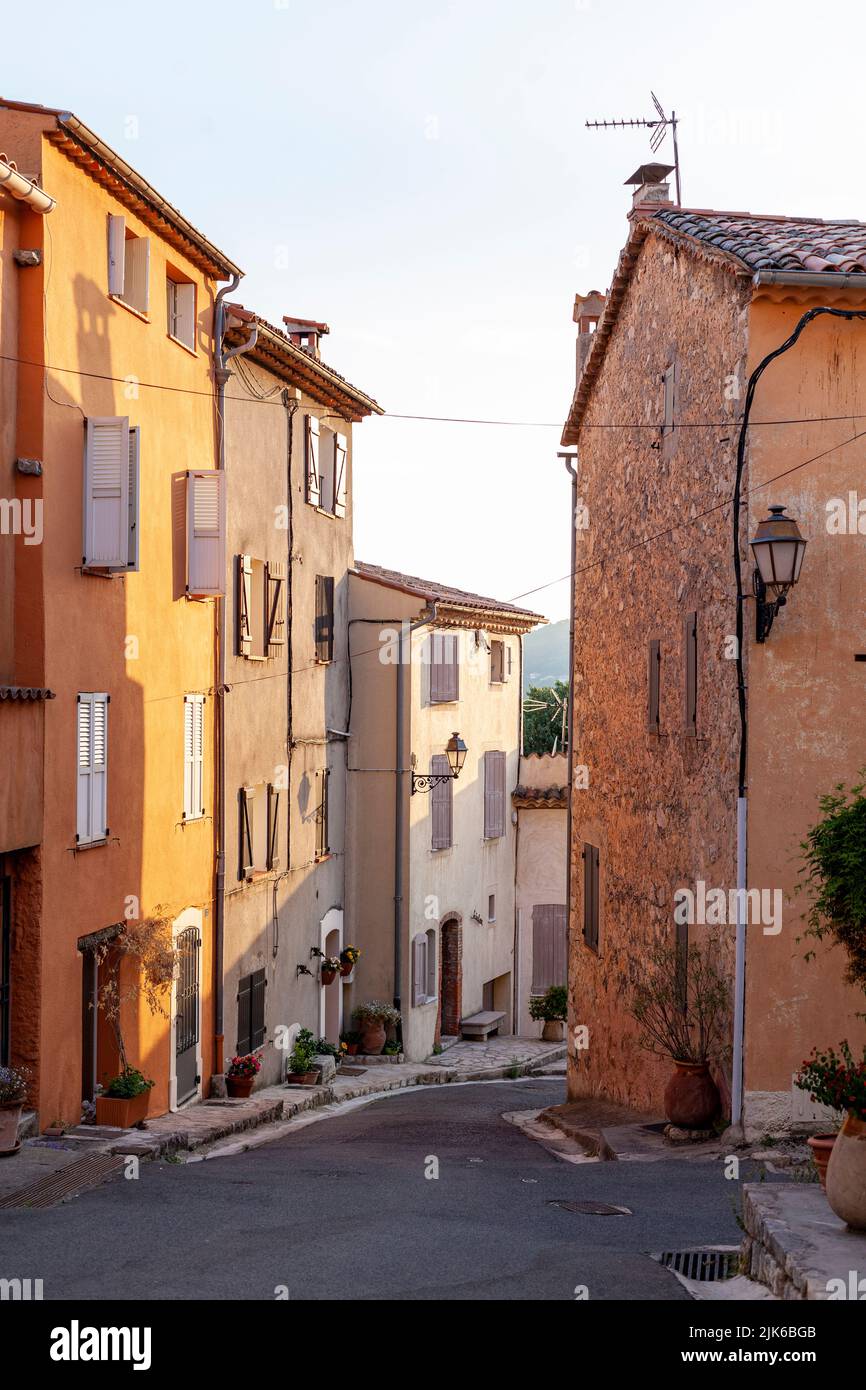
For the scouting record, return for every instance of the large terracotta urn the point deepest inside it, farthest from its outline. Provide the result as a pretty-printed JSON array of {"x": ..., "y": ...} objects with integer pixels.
[
  {"x": 691, "y": 1096},
  {"x": 846, "y": 1174},
  {"x": 10, "y": 1116},
  {"x": 372, "y": 1036}
]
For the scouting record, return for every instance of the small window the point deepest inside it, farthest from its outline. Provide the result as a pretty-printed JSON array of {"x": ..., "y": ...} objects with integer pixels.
[
  {"x": 323, "y": 843},
  {"x": 590, "y": 895},
  {"x": 500, "y": 662},
  {"x": 690, "y": 643},
  {"x": 491, "y": 907},
  {"x": 251, "y": 1012},
  {"x": 92, "y": 789},
  {"x": 444, "y": 659},
  {"x": 260, "y": 607},
  {"x": 128, "y": 266},
  {"x": 193, "y": 757},
  {"x": 324, "y": 617},
  {"x": 494, "y": 795},
  {"x": 259, "y": 821},
  {"x": 654, "y": 686},
  {"x": 424, "y": 981},
  {"x": 180, "y": 294}
]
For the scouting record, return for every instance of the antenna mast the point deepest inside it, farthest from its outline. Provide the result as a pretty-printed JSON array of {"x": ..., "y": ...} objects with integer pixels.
[{"x": 658, "y": 125}]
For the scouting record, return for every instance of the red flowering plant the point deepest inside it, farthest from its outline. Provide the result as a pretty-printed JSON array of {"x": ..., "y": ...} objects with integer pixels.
[
  {"x": 835, "y": 1081},
  {"x": 248, "y": 1065}
]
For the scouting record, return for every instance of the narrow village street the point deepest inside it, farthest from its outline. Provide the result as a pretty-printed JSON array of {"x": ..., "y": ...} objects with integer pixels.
[{"x": 342, "y": 1210}]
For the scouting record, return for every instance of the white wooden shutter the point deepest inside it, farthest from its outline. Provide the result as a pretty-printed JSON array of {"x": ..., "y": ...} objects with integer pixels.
[
  {"x": 184, "y": 322},
  {"x": 85, "y": 769},
  {"x": 116, "y": 254},
  {"x": 245, "y": 599},
  {"x": 92, "y": 790},
  {"x": 136, "y": 280},
  {"x": 419, "y": 970},
  {"x": 341, "y": 474},
  {"x": 193, "y": 756},
  {"x": 106, "y": 492},
  {"x": 134, "y": 502},
  {"x": 314, "y": 486},
  {"x": 205, "y": 533}
]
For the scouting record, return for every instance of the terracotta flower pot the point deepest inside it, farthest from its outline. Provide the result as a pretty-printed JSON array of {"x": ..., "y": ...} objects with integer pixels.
[
  {"x": 122, "y": 1112},
  {"x": 372, "y": 1036},
  {"x": 552, "y": 1030},
  {"x": 240, "y": 1087},
  {"x": 301, "y": 1078},
  {"x": 691, "y": 1096},
  {"x": 10, "y": 1116},
  {"x": 352, "y": 1049},
  {"x": 822, "y": 1147},
  {"x": 328, "y": 977},
  {"x": 846, "y": 1174},
  {"x": 346, "y": 967}
]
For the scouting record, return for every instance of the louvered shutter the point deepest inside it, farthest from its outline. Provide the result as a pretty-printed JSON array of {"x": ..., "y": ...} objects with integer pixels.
[
  {"x": 116, "y": 254},
  {"x": 273, "y": 827},
  {"x": 85, "y": 721},
  {"x": 275, "y": 606},
  {"x": 245, "y": 599},
  {"x": 452, "y": 682},
  {"x": 245, "y": 807},
  {"x": 136, "y": 278},
  {"x": 506, "y": 673},
  {"x": 590, "y": 895},
  {"x": 106, "y": 492},
  {"x": 193, "y": 756},
  {"x": 494, "y": 795},
  {"x": 184, "y": 310},
  {"x": 690, "y": 639},
  {"x": 435, "y": 667},
  {"x": 134, "y": 500},
  {"x": 205, "y": 533},
  {"x": 92, "y": 788},
  {"x": 441, "y": 805},
  {"x": 341, "y": 473},
  {"x": 654, "y": 684},
  {"x": 311, "y": 449},
  {"x": 245, "y": 1044},
  {"x": 444, "y": 667},
  {"x": 258, "y": 984},
  {"x": 542, "y": 948}
]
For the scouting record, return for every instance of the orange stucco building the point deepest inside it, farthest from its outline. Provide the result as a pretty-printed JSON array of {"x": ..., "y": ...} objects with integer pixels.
[{"x": 106, "y": 301}]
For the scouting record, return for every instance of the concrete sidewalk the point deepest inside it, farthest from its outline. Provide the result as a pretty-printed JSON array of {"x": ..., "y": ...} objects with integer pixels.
[{"x": 797, "y": 1248}]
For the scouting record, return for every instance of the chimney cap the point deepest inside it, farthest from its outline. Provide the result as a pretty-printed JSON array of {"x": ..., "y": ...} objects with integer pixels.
[{"x": 650, "y": 173}]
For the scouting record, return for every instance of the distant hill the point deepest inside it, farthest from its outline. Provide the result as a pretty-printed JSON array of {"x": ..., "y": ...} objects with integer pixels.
[{"x": 545, "y": 655}]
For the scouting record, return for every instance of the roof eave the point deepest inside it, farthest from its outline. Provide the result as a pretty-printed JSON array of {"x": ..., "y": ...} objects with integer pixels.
[{"x": 275, "y": 352}]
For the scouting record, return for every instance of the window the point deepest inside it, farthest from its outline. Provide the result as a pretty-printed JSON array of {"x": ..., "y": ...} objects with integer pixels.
[
  {"x": 690, "y": 644},
  {"x": 549, "y": 946},
  {"x": 441, "y": 805},
  {"x": 326, "y": 466},
  {"x": 110, "y": 504},
  {"x": 261, "y": 607},
  {"x": 324, "y": 617},
  {"x": 180, "y": 294},
  {"x": 654, "y": 686},
  {"x": 259, "y": 823},
  {"x": 491, "y": 907},
  {"x": 424, "y": 967},
  {"x": 206, "y": 530},
  {"x": 323, "y": 844},
  {"x": 500, "y": 662},
  {"x": 128, "y": 266},
  {"x": 92, "y": 812},
  {"x": 193, "y": 757},
  {"x": 494, "y": 795},
  {"x": 444, "y": 654},
  {"x": 590, "y": 895},
  {"x": 251, "y": 1012}
]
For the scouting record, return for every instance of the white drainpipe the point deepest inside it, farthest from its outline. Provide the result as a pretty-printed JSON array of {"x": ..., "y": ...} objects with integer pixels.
[{"x": 25, "y": 190}]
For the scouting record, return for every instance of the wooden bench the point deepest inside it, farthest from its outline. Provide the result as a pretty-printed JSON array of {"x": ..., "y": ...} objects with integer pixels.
[{"x": 481, "y": 1025}]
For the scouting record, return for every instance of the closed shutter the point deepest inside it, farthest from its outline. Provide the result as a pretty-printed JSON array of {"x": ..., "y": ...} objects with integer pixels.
[
  {"x": 341, "y": 473},
  {"x": 452, "y": 669},
  {"x": 494, "y": 795},
  {"x": 311, "y": 450},
  {"x": 275, "y": 606},
  {"x": 324, "y": 617},
  {"x": 258, "y": 984},
  {"x": 273, "y": 827},
  {"x": 245, "y": 603},
  {"x": 134, "y": 501},
  {"x": 182, "y": 325},
  {"x": 136, "y": 278},
  {"x": 497, "y": 662},
  {"x": 106, "y": 492},
  {"x": 193, "y": 756},
  {"x": 245, "y": 1042},
  {"x": 690, "y": 639},
  {"x": 116, "y": 254},
  {"x": 441, "y": 805},
  {"x": 549, "y": 947},
  {"x": 444, "y": 667},
  {"x": 419, "y": 970},
  {"x": 205, "y": 533},
  {"x": 654, "y": 686},
  {"x": 246, "y": 799},
  {"x": 590, "y": 895},
  {"x": 92, "y": 752},
  {"x": 323, "y": 846}
]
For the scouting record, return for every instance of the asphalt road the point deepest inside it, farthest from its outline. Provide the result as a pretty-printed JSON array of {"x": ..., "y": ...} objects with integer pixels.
[{"x": 343, "y": 1210}]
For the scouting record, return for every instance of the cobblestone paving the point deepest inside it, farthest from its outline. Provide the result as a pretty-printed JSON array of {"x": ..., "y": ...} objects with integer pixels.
[{"x": 469, "y": 1056}]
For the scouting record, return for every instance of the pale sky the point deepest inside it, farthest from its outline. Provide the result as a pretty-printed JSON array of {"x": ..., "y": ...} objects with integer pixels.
[{"x": 419, "y": 176}]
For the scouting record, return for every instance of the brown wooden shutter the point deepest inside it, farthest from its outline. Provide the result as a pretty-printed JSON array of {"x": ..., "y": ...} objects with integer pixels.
[
  {"x": 590, "y": 895},
  {"x": 441, "y": 805},
  {"x": 341, "y": 473},
  {"x": 245, "y": 1043},
  {"x": 311, "y": 460},
  {"x": 654, "y": 686},
  {"x": 275, "y": 606},
  {"x": 494, "y": 795},
  {"x": 488, "y": 796},
  {"x": 453, "y": 668},
  {"x": 506, "y": 674},
  {"x": 542, "y": 948},
  {"x": 324, "y": 617},
  {"x": 244, "y": 600},
  {"x": 258, "y": 984},
  {"x": 496, "y": 662},
  {"x": 690, "y": 639},
  {"x": 245, "y": 805},
  {"x": 435, "y": 667},
  {"x": 273, "y": 827}
]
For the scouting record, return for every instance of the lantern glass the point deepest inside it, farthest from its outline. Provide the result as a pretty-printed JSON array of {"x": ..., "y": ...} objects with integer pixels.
[
  {"x": 456, "y": 751},
  {"x": 778, "y": 548}
]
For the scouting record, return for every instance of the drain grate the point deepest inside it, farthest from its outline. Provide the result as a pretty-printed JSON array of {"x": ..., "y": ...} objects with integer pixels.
[
  {"x": 70, "y": 1181},
  {"x": 591, "y": 1208},
  {"x": 705, "y": 1266}
]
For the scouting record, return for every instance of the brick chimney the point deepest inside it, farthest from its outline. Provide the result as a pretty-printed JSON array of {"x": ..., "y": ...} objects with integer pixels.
[
  {"x": 588, "y": 309},
  {"x": 305, "y": 333},
  {"x": 651, "y": 188}
]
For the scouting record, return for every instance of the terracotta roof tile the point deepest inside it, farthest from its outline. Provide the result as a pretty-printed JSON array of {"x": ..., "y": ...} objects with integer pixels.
[
  {"x": 433, "y": 591},
  {"x": 775, "y": 243},
  {"x": 540, "y": 798}
]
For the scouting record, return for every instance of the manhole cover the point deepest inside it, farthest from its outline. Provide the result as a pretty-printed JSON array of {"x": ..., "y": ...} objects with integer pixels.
[
  {"x": 592, "y": 1208},
  {"x": 705, "y": 1266},
  {"x": 77, "y": 1177}
]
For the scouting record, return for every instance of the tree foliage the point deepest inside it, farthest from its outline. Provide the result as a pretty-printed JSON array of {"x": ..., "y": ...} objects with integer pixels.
[
  {"x": 543, "y": 727},
  {"x": 834, "y": 858}
]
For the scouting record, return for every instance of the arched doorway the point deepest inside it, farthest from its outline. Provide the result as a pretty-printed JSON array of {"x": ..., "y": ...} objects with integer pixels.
[
  {"x": 331, "y": 996},
  {"x": 451, "y": 977}
]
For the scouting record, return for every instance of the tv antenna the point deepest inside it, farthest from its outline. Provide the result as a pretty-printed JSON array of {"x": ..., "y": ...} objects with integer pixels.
[{"x": 658, "y": 125}]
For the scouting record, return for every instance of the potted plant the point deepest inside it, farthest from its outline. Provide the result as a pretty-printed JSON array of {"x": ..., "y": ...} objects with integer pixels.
[
  {"x": 682, "y": 1005},
  {"x": 329, "y": 967},
  {"x": 351, "y": 1041},
  {"x": 301, "y": 1071},
  {"x": 817, "y": 1076},
  {"x": 13, "y": 1093},
  {"x": 124, "y": 1099},
  {"x": 551, "y": 1008},
  {"x": 241, "y": 1074},
  {"x": 349, "y": 957},
  {"x": 373, "y": 1018},
  {"x": 839, "y": 1081}
]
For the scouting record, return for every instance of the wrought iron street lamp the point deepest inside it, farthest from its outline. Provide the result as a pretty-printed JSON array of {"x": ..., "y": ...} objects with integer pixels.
[
  {"x": 455, "y": 750},
  {"x": 778, "y": 548}
]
